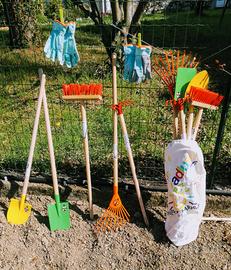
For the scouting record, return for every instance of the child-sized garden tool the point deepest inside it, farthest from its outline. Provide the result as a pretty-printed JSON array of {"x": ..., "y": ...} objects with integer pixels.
[
  {"x": 82, "y": 93},
  {"x": 201, "y": 79},
  {"x": 166, "y": 68},
  {"x": 183, "y": 77},
  {"x": 115, "y": 215},
  {"x": 204, "y": 99},
  {"x": 58, "y": 213},
  {"x": 118, "y": 108},
  {"x": 19, "y": 211}
]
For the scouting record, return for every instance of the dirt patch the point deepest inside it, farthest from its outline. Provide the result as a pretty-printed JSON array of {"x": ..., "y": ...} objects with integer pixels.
[{"x": 33, "y": 246}]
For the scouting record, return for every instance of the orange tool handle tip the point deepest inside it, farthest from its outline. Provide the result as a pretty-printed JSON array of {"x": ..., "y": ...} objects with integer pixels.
[{"x": 115, "y": 189}]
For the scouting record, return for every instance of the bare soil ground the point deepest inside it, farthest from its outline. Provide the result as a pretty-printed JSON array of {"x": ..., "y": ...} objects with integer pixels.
[{"x": 34, "y": 246}]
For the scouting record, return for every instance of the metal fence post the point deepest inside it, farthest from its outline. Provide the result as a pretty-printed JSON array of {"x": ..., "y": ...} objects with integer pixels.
[{"x": 220, "y": 133}]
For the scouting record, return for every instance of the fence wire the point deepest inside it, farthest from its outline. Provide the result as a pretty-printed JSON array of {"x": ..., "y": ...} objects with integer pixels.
[{"x": 148, "y": 120}]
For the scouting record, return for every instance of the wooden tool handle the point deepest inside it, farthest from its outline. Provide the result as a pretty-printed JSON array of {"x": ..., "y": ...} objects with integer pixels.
[
  {"x": 133, "y": 169},
  {"x": 196, "y": 123},
  {"x": 175, "y": 123},
  {"x": 50, "y": 146},
  {"x": 87, "y": 156},
  {"x": 182, "y": 121},
  {"x": 115, "y": 122},
  {"x": 34, "y": 135},
  {"x": 190, "y": 122}
]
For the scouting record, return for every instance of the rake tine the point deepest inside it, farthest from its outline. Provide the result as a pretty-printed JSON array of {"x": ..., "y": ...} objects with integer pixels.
[
  {"x": 183, "y": 58},
  {"x": 188, "y": 59},
  {"x": 177, "y": 59},
  {"x": 125, "y": 216},
  {"x": 122, "y": 215},
  {"x": 166, "y": 57},
  {"x": 109, "y": 221},
  {"x": 163, "y": 64},
  {"x": 172, "y": 59},
  {"x": 102, "y": 221},
  {"x": 125, "y": 210},
  {"x": 198, "y": 62},
  {"x": 158, "y": 65},
  {"x": 193, "y": 61}
]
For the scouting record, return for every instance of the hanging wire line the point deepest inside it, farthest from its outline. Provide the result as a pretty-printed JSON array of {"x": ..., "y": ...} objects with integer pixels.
[
  {"x": 216, "y": 53},
  {"x": 162, "y": 51},
  {"x": 128, "y": 34}
]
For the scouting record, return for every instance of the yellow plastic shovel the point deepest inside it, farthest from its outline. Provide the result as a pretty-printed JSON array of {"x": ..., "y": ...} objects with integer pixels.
[
  {"x": 19, "y": 211},
  {"x": 201, "y": 79}
]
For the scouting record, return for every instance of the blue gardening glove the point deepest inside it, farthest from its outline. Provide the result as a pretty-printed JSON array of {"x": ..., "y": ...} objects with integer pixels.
[
  {"x": 129, "y": 53},
  {"x": 70, "y": 53},
  {"x": 146, "y": 52},
  {"x": 138, "y": 75},
  {"x": 54, "y": 46}
]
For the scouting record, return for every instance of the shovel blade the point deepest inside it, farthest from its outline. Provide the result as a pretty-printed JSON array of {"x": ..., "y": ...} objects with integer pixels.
[
  {"x": 59, "y": 220},
  {"x": 18, "y": 215}
]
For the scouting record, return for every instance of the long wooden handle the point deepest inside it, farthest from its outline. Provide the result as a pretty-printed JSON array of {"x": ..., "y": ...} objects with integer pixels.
[
  {"x": 87, "y": 157},
  {"x": 190, "y": 122},
  {"x": 34, "y": 135},
  {"x": 50, "y": 146},
  {"x": 115, "y": 122},
  {"x": 175, "y": 123},
  {"x": 182, "y": 121},
  {"x": 133, "y": 169},
  {"x": 196, "y": 123}
]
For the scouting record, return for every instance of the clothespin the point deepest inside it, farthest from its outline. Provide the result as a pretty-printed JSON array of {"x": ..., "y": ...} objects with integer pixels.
[
  {"x": 139, "y": 40},
  {"x": 61, "y": 13}
]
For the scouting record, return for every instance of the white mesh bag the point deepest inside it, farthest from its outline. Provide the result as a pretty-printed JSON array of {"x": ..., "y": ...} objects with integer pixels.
[{"x": 186, "y": 180}]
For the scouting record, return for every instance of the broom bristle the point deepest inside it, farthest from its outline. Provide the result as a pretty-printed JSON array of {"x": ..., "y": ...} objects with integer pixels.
[
  {"x": 204, "y": 97},
  {"x": 82, "y": 91},
  {"x": 114, "y": 216}
]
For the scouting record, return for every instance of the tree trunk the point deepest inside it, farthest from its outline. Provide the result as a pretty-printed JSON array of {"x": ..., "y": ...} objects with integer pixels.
[
  {"x": 124, "y": 16},
  {"x": 21, "y": 18},
  {"x": 223, "y": 12},
  {"x": 199, "y": 8}
]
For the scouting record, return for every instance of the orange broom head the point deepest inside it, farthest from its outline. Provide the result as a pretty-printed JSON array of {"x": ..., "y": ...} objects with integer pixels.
[
  {"x": 114, "y": 216},
  {"x": 204, "y": 98},
  {"x": 82, "y": 91}
]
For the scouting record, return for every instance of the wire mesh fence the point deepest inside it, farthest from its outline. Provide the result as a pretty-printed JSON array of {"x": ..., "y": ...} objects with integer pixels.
[{"x": 148, "y": 120}]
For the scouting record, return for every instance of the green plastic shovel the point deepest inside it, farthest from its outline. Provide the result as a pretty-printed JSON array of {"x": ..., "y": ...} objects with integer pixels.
[
  {"x": 183, "y": 77},
  {"x": 58, "y": 213}
]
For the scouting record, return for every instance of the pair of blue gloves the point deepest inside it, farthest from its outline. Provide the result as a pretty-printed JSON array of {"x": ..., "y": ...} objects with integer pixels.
[
  {"x": 61, "y": 44},
  {"x": 137, "y": 63}
]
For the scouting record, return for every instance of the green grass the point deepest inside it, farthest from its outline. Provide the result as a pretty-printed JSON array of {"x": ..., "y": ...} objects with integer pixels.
[{"x": 148, "y": 120}]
